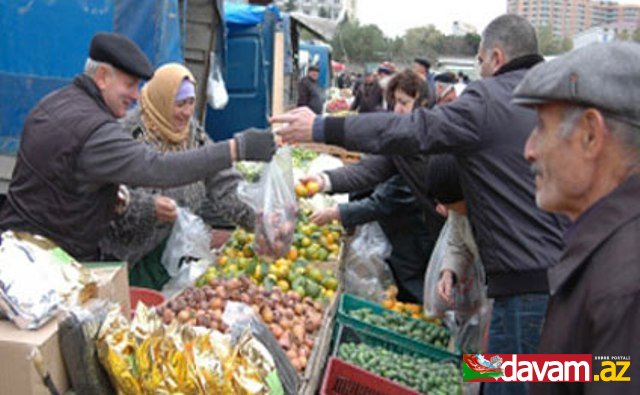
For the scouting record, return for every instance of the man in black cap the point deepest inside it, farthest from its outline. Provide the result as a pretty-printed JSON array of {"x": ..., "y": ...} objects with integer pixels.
[
  {"x": 73, "y": 153},
  {"x": 445, "y": 87},
  {"x": 310, "y": 93},
  {"x": 585, "y": 153}
]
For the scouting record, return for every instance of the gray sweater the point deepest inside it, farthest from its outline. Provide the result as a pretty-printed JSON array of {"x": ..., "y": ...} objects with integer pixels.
[{"x": 137, "y": 232}]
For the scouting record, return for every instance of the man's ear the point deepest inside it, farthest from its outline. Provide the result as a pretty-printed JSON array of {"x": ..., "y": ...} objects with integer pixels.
[
  {"x": 593, "y": 133},
  {"x": 498, "y": 58},
  {"x": 101, "y": 77}
]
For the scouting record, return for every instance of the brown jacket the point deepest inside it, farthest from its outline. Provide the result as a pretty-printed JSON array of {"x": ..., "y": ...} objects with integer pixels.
[{"x": 595, "y": 302}]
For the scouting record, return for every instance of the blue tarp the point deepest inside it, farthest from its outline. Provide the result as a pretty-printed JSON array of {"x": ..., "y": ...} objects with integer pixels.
[
  {"x": 45, "y": 43},
  {"x": 247, "y": 14}
]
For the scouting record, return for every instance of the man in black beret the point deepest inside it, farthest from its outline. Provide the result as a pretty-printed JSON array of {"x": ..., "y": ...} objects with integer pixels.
[
  {"x": 445, "y": 91},
  {"x": 310, "y": 93},
  {"x": 73, "y": 153}
]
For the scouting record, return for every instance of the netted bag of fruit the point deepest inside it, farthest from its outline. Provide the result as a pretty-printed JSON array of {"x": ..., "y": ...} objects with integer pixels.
[{"x": 274, "y": 201}]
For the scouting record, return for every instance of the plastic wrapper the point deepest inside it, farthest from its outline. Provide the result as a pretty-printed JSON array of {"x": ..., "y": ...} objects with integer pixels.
[
  {"x": 240, "y": 318},
  {"x": 146, "y": 356},
  {"x": 366, "y": 273},
  {"x": 37, "y": 278},
  {"x": 274, "y": 201},
  {"x": 77, "y": 333},
  {"x": 469, "y": 291},
  {"x": 189, "y": 240}
]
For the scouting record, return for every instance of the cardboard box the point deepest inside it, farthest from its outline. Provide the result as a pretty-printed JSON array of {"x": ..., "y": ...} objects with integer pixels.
[
  {"x": 18, "y": 376},
  {"x": 113, "y": 283},
  {"x": 17, "y": 373}
]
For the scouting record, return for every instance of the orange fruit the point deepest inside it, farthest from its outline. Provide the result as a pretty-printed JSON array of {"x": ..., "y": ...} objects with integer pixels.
[
  {"x": 301, "y": 190},
  {"x": 312, "y": 188},
  {"x": 293, "y": 254}
]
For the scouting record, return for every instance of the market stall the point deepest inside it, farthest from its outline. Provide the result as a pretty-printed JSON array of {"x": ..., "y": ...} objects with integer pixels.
[{"x": 269, "y": 311}]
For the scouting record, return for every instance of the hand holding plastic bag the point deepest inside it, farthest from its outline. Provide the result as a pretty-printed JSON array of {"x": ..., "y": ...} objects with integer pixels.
[
  {"x": 469, "y": 290},
  {"x": 274, "y": 201},
  {"x": 190, "y": 239}
]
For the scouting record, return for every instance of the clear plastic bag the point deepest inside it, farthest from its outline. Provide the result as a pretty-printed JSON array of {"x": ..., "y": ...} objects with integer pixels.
[
  {"x": 240, "y": 318},
  {"x": 217, "y": 95},
  {"x": 471, "y": 332},
  {"x": 469, "y": 291},
  {"x": 273, "y": 199},
  {"x": 187, "y": 276},
  {"x": 189, "y": 240},
  {"x": 367, "y": 274}
]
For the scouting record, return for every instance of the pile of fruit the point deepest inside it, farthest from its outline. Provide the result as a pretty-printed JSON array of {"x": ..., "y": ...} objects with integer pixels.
[
  {"x": 296, "y": 271},
  {"x": 413, "y": 310},
  {"x": 337, "y": 105},
  {"x": 419, "y": 373},
  {"x": 316, "y": 243},
  {"x": 414, "y": 329},
  {"x": 293, "y": 320}
]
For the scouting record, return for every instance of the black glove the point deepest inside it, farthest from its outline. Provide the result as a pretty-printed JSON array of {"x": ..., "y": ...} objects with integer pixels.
[{"x": 255, "y": 144}]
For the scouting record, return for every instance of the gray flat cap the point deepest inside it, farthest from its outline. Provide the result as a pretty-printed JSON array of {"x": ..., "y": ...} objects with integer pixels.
[{"x": 605, "y": 76}]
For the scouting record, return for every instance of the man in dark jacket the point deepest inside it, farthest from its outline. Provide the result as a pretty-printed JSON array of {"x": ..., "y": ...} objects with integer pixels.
[
  {"x": 486, "y": 133},
  {"x": 310, "y": 93},
  {"x": 586, "y": 158},
  {"x": 368, "y": 97},
  {"x": 73, "y": 153}
]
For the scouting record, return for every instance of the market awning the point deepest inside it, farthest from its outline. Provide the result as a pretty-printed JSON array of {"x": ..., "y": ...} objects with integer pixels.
[{"x": 323, "y": 28}]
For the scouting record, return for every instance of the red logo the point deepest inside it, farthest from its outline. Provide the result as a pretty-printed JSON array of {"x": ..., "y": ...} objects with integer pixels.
[{"x": 527, "y": 367}]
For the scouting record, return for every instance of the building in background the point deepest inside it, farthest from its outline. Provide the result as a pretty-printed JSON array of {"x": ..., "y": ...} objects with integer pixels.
[
  {"x": 604, "y": 34},
  {"x": 567, "y": 18},
  {"x": 330, "y": 9}
]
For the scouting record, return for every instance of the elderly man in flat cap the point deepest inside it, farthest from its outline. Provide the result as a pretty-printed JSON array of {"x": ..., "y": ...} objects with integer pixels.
[
  {"x": 585, "y": 153},
  {"x": 74, "y": 153}
]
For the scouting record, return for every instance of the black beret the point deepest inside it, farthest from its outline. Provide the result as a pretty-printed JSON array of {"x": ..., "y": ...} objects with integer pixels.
[
  {"x": 446, "y": 78},
  {"x": 121, "y": 53},
  {"x": 442, "y": 176},
  {"x": 424, "y": 62},
  {"x": 313, "y": 67}
]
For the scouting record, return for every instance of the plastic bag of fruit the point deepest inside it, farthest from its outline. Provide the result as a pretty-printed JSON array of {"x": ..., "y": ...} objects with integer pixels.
[{"x": 274, "y": 201}]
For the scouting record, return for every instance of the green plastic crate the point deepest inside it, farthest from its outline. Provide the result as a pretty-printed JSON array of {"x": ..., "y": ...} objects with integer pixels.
[{"x": 349, "y": 303}]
